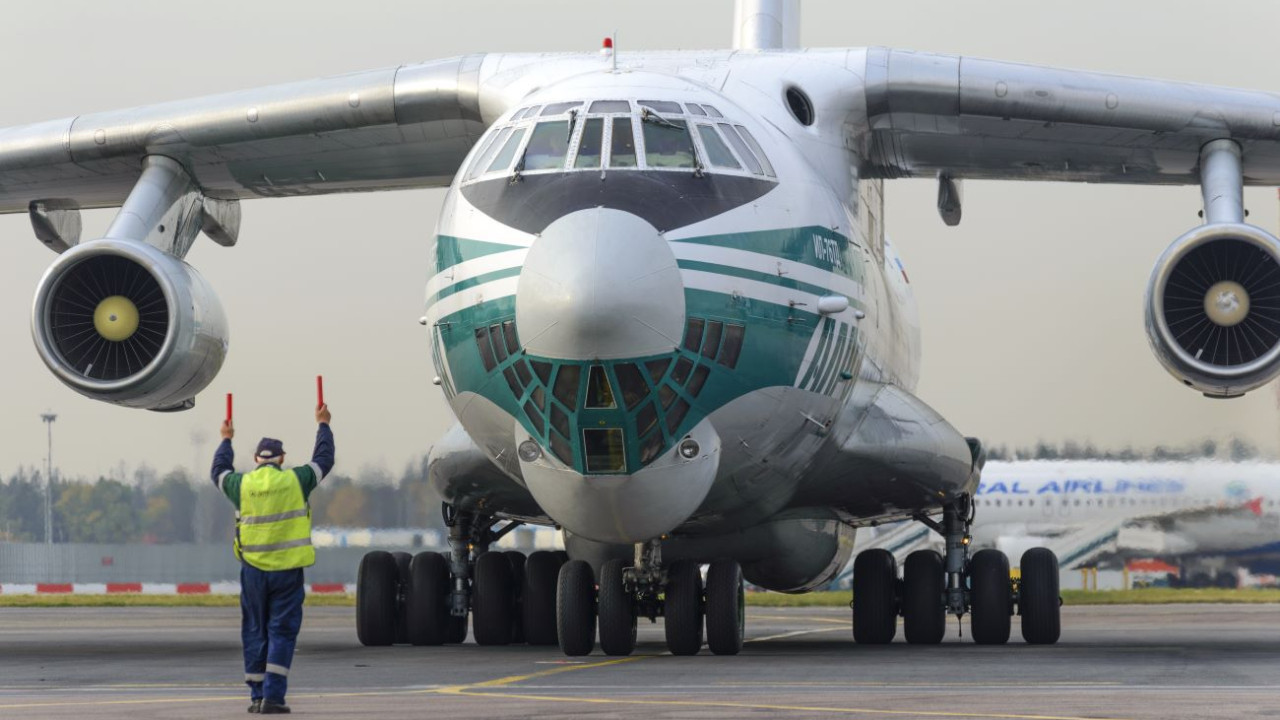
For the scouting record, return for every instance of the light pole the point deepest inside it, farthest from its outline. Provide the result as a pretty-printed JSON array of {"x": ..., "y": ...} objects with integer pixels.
[{"x": 48, "y": 419}]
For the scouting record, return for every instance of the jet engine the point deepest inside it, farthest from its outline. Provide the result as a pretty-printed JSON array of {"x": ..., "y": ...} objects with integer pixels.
[
  {"x": 1213, "y": 308},
  {"x": 127, "y": 323}
]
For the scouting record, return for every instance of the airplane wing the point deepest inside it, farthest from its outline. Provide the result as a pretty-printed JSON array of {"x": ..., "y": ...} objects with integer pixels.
[
  {"x": 402, "y": 127},
  {"x": 972, "y": 118}
]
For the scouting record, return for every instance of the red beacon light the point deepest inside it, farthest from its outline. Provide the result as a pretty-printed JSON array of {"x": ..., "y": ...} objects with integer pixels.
[{"x": 606, "y": 48}]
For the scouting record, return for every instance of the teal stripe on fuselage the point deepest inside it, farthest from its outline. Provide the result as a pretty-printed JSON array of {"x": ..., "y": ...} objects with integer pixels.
[
  {"x": 771, "y": 278},
  {"x": 812, "y": 245},
  {"x": 452, "y": 250},
  {"x": 472, "y": 282}
]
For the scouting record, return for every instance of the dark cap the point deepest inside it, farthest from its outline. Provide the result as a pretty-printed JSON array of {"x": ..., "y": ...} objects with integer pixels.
[{"x": 269, "y": 449}]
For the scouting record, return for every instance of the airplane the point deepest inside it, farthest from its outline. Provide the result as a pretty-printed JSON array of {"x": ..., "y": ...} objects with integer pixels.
[
  {"x": 664, "y": 310},
  {"x": 1207, "y": 518}
]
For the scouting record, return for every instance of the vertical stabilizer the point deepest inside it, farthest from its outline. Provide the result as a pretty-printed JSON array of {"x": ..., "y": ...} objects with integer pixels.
[{"x": 766, "y": 25}]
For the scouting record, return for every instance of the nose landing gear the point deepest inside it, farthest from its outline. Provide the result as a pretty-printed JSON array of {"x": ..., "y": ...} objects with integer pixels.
[{"x": 646, "y": 588}]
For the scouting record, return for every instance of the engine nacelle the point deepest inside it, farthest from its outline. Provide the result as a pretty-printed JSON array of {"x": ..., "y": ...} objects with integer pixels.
[
  {"x": 1213, "y": 309},
  {"x": 126, "y": 323}
]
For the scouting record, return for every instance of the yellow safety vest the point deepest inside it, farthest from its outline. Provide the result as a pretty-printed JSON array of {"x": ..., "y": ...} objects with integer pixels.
[{"x": 274, "y": 529}]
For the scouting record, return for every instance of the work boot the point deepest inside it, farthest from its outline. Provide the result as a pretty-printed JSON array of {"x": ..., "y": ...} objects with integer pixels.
[
  {"x": 255, "y": 706},
  {"x": 271, "y": 708}
]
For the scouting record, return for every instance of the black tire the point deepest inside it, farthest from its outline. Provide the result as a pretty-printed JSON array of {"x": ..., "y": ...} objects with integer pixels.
[
  {"x": 576, "y": 608},
  {"x": 517, "y": 560},
  {"x": 402, "y": 588},
  {"x": 990, "y": 598},
  {"x": 1038, "y": 597},
  {"x": 541, "y": 573},
  {"x": 427, "y": 599},
  {"x": 491, "y": 600},
  {"x": 726, "y": 608},
  {"x": 875, "y": 597},
  {"x": 617, "y": 611},
  {"x": 682, "y": 608},
  {"x": 376, "y": 599},
  {"x": 924, "y": 612}
]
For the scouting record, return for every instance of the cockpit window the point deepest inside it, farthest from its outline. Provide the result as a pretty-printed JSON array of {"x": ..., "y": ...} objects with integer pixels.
[
  {"x": 622, "y": 145},
  {"x": 590, "y": 146},
  {"x": 559, "y": 108},
  {"x": 667, "y": 144},
  {"x": 548, "y": 146},
  {"x": 508, "y": 152},
  {"x": 603, "y": 135},
  {"x": 764, "y": 159},
  {"x": 482, "y": 160},
  {"x": 718, "y": 154},
  {"x": 747, "y": 156},
  {"x": 662, "y": 106},
  {"x": 610, "y": 106}
]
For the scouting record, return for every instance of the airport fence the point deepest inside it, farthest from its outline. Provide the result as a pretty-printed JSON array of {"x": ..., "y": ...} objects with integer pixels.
[{"x": 37, "y": 563}]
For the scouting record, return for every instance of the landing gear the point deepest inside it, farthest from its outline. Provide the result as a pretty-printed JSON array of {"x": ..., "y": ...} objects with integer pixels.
[
  {"x": 617, "y": 610},
  {"x": 428, "y": 599},
  {"x": 924, "y": 617},
  {"x": 376, "y": 587},
  {"x": 425, "y": 600},
  {"x": 990, "y": 597},
  {"x": 492, "y": 600},
  {"x": 726, "y": 608},
  {"x": 875, "y": 604},
  {"x": 1038, "y": 597},
  {"x": 934, "y": 586},
  {"x": 576, "y": 608},
  {"x": 682, "y": 608},
  {"x": 541, "y": 573}
]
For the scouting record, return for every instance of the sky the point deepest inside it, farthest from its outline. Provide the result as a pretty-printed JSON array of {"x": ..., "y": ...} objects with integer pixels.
[{"x": 1031, "y": 310}]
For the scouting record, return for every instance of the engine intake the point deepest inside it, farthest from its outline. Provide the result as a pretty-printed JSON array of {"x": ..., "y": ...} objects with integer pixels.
[
  {"x": 126, "y": 323},
  {"x": 1213, "y": 309}
]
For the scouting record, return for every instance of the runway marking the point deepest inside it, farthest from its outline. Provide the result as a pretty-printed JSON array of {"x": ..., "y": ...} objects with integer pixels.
[{"x": 762, "y": 706}]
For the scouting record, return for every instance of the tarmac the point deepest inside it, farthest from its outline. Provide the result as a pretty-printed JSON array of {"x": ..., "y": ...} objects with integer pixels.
[{"x": 1176, "y": 661}]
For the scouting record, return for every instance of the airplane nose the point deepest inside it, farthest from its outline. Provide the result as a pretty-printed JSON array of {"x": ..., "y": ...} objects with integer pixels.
[{"x": 600, "y": 284}]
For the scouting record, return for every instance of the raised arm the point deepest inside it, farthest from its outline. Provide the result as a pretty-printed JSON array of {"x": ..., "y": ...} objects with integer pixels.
[
  {"x": 224, "y": 457},
  {"x": 322, "y": 456}
]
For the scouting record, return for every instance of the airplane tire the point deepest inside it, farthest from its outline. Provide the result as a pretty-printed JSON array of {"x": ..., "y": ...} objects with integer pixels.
[
  {"x": 875, "y": 606},
  {"x": 617, "y": 611},
  {"x": 402, "y": 588},
  {"x": 376, "y": 599},
  {"x": 682, "y": 608},
  {"x": 541, "y": 571},
  {"x": 491, "y": 600},
  {"x": 1038, "y": 597},
  {"x": 576, "y": 608},
  {"x": 726, "y": 608},
  {"x": 517, "y": 560},
  {"x": 427, "y": 599},
  {"x": 924, "y": 614},
  {"x": 989, "y": 593}
]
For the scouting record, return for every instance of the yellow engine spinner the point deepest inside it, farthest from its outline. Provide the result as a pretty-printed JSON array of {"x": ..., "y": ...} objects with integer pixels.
[{"x": 116, "y": 318}]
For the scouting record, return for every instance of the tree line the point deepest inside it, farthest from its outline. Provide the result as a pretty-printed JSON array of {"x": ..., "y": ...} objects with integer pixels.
[{"x": 177, "y": 508}]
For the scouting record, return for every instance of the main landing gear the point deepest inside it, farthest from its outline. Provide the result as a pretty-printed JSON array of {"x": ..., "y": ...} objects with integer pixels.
[
  {"x": 934, "y": 585},
  {"x": 644, "y": 588},
  {"x": 426, "y": 599}
]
